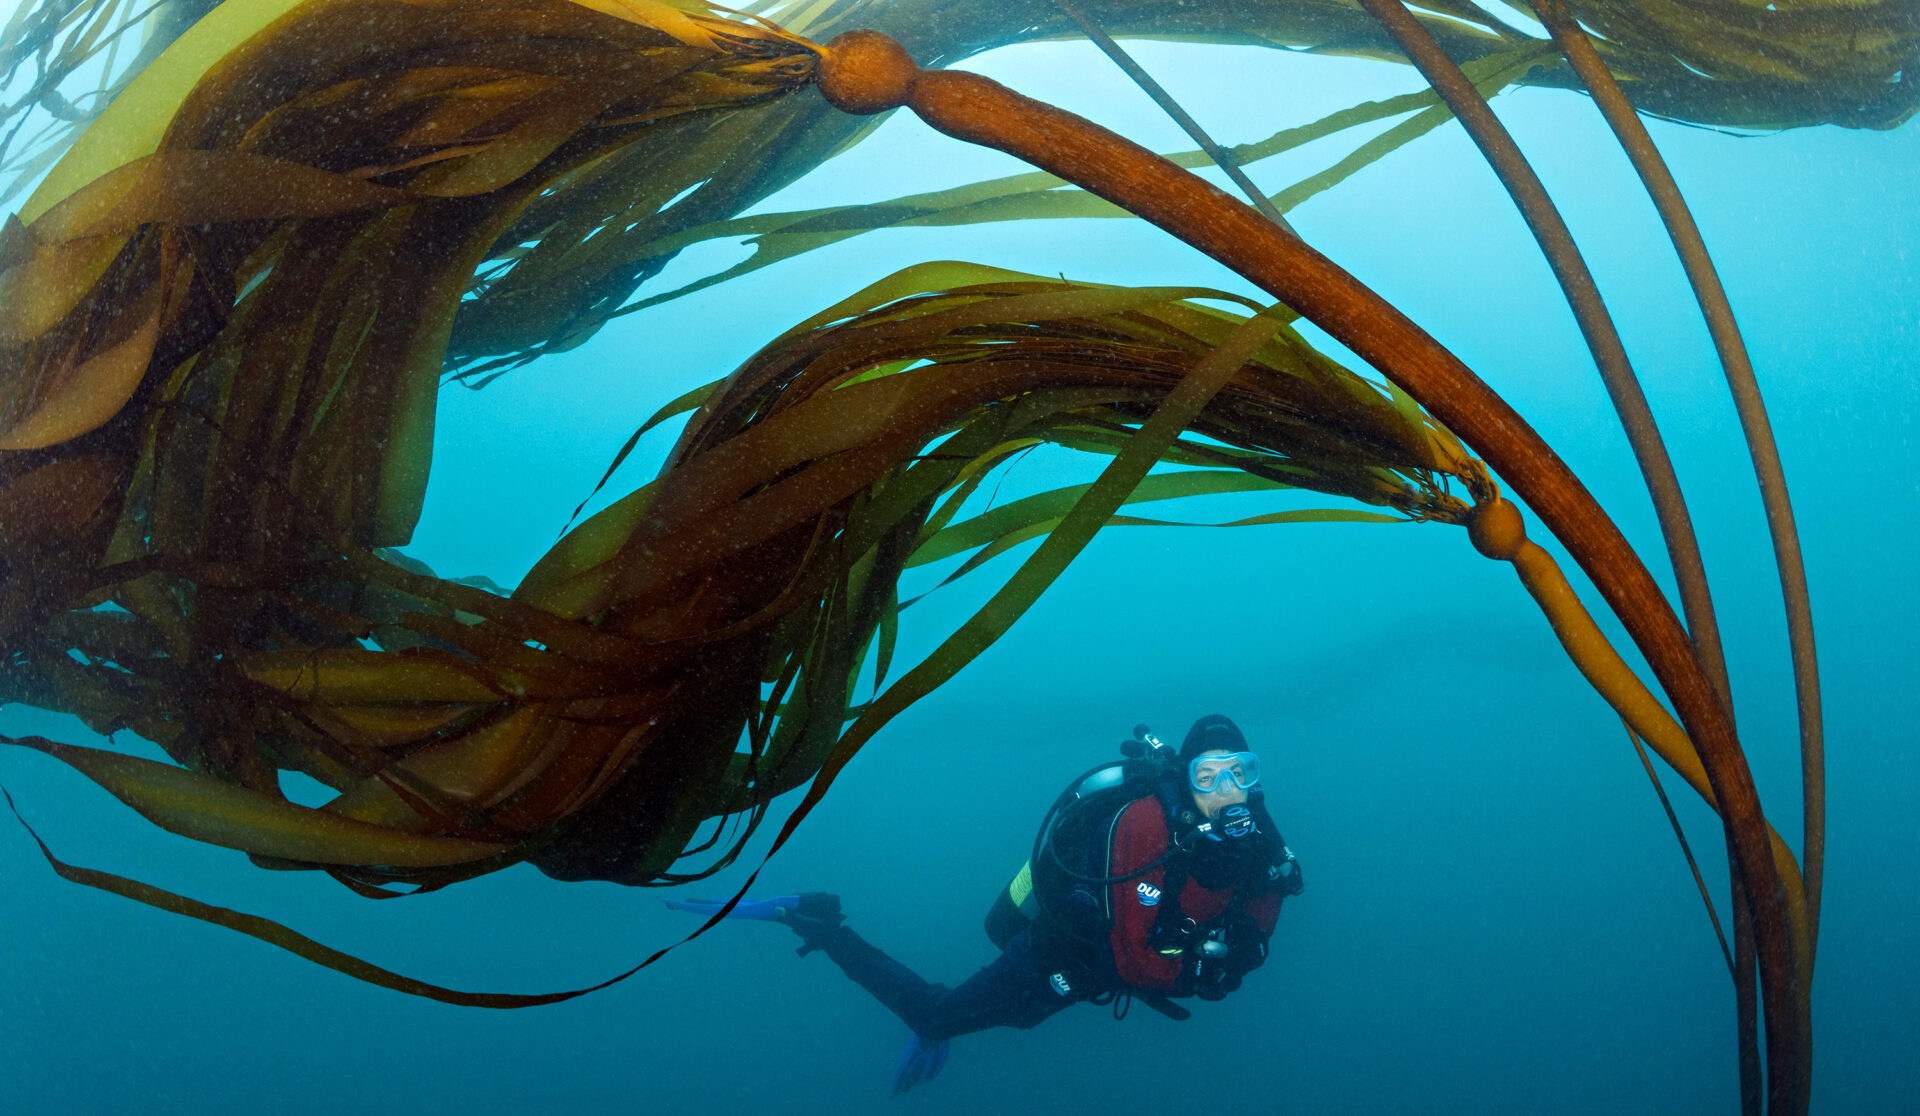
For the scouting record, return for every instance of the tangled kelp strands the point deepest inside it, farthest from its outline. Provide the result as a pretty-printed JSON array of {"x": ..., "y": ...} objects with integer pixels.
[
  {"x": 214, "y": 394},
  {"x": 592, "y": 720},
  {"x": 369, "y": 179},
  {"x": 582, "y": 246}
]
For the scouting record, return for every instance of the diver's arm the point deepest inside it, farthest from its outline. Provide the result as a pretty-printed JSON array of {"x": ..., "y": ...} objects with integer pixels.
[
  {"x": 1138, "y": 840},
  {"x": 1247, "y": 931}
]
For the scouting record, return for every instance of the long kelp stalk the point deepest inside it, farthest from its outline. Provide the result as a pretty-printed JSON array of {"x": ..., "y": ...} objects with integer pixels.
[
  {"x": 1590, "y": 311},
  {"x": 1746, "y": 996},
  {"x": 1603, "y": 340},
  {"x": 1741, "y": 382},
  {"x": 867, "y": 73},
  {"x": 1498, "y": 533},
  {"x": 1732, "y": 349}
]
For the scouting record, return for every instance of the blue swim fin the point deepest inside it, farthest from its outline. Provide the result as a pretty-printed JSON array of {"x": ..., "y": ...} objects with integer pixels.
[
  {"x": 764, "y": 910},
  {"x": 919, "y": 1063},
  {"x": 813, "y": 915}
]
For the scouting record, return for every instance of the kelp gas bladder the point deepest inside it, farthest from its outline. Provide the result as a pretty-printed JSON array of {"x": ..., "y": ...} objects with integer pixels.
[{"x": 224, "y": 315}]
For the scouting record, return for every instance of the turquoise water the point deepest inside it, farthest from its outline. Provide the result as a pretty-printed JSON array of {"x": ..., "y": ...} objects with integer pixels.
[{"x": 1496, "y": 917}]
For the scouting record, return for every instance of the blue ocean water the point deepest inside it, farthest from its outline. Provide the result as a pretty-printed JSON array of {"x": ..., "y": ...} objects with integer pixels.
[{"x": 1496, "y": 916}]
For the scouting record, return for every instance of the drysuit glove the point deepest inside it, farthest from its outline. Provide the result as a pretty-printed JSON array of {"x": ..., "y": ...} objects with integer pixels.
[
  {"x": 1287, "y": 874},
  {"x": 1217, "y": 965},
  {"x": 1246, "y": 944},
  {"x": 814, "y": 917},
  {"x": 1211, "y": 977}
]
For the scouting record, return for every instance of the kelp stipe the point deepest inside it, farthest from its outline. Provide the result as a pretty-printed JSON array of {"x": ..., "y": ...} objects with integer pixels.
[{"x": 1663, "y": 486}]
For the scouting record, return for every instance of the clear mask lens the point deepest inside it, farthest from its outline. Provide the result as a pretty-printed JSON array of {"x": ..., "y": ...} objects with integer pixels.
[{"x": 1211, "y": 774}]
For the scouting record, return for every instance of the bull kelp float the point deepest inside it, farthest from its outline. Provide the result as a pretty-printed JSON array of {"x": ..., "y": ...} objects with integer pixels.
[{"x": 275, "y": 229}]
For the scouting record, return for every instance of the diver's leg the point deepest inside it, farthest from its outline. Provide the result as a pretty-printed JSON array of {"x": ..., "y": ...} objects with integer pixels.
[
  {"x": 1013, "y": 991},
  {"x": 1010, "y": 992},
  {"x": 899, "y": 989}
]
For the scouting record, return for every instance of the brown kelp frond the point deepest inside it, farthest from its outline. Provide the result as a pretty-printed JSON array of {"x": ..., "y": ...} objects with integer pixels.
[
  {"x": 1783, "y": 64},
  {"x": 691, "y": 651},
  {"x": 85, "y": 53},
  {"x": 583, "y": 244},
  {"x": 635, "y": 688},
  {"x": 434, "y": 81},
  {"x": 273, "y": 285},
  {"x": 219, "y": 351}
]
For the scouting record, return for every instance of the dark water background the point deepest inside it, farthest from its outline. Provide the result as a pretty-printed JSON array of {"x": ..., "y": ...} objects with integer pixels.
[{"x": 1497, "y": 917}]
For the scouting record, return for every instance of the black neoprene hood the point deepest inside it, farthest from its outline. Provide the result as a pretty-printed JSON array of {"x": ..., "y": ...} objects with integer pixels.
[{"x": 1212, "y": 733}]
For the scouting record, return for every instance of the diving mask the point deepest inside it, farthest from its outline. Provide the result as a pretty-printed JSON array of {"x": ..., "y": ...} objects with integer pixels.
[{"x": 1210, "y": 774}]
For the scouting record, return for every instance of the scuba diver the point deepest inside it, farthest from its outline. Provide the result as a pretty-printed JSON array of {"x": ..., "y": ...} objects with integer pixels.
[{"x": 1153, "y": 878}]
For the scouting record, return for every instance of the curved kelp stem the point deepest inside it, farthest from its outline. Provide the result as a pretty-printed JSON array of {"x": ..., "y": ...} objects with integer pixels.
[
  {"x": 1556, "y": 242},
  {"x": 1589, "y": 310},
  {"x": 864, "y": 72},
  {"x": 1732, "y": 350},
  {"x": 1746, "y": 997},
  {"x": 1498, "y": 533}
]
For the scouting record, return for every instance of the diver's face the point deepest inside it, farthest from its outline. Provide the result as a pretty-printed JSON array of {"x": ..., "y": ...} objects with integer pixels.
[{"x": 1225, "y": 792}]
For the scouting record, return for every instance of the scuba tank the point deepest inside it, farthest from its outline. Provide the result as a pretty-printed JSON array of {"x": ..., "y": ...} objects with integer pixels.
[{"x": 1057, "y": 867}]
